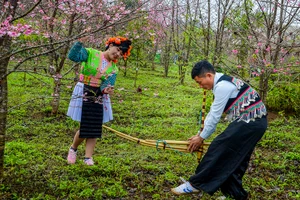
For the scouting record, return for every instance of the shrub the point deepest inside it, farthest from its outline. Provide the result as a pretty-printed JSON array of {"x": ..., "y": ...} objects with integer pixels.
[{"x": 285, "y": 97}]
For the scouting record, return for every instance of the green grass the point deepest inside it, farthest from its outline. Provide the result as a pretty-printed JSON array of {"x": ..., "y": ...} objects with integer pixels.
[{"x": 37, "y": 144}]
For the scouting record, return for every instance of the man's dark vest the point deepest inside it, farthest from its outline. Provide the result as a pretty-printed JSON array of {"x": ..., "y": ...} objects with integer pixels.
[{"x": 247, "y": 105}]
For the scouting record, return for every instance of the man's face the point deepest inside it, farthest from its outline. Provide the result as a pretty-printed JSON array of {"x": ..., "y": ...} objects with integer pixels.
[{"x": 206, "y": 81}]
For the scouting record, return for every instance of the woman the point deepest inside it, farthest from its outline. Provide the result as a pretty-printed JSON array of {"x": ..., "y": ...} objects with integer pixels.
[{"x": 90, "y": 103}]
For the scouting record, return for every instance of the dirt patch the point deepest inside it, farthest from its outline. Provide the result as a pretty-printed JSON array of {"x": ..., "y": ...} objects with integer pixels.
[{"x": 272, "y": 115}]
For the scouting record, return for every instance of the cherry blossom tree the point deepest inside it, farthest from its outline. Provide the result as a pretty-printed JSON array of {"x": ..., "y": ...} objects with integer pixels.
[
  {"x": 12, "y": 11},
  {"x": 45, "y": 28},
  {"x": 267, "y": 40}
]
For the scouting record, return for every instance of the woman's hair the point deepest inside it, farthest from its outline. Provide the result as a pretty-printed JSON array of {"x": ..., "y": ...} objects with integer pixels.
[
  {"x": 123, "y": 43},
  {"x": 201, "y": 68}
]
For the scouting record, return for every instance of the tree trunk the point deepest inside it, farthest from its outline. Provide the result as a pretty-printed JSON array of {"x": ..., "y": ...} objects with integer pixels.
[
  {"x": 167, "y": 59},
  {"x": 56, "y": 94},
  {"x": 59, "y": 66},
  {"x": 5, "y": 43},
  {"x": 153, "y": 57},
  {"x": 207, "y": 33}
]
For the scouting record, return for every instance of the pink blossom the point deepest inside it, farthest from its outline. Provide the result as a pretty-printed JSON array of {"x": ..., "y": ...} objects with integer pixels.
[
  {"x": 281, "y": 60},
  {"x": 249, "y": 36},
  {"x": 28, "y": 32},
  {"x": 22, "y": 6},
  {"x": 256, "y": 51},
  {"x": 234, "y": 51},
  {"x": 259, "y": 44},
  {"x": 13, "y": 34},
  {"x": 81, "y": 77},
  {"x": 45, "y": 17},
  {"x": 2, "y": 33},
  {"x": 239, "y": 66},
  {"x": 275, "y": 70},
  {"x": 268, "y": 49}
]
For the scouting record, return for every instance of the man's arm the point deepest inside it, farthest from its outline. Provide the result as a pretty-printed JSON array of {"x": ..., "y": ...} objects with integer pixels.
[{"x": 223, "y": 91}]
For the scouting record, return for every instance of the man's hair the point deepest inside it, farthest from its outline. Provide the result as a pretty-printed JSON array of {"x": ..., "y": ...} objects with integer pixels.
[{"x": 201, "y": 68}]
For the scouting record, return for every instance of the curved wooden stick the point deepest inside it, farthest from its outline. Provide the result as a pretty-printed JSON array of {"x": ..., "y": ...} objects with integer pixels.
[
  {"x": 160, "y": 144},
  {"x": 199, "y": 155}
]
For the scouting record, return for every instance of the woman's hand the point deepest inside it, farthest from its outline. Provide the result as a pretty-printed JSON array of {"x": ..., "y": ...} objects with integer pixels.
[
  {"x": 109, "y": 90},
  {"x": 195, "y": 142}
]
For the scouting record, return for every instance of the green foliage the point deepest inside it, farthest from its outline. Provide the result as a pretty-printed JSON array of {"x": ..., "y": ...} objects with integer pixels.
[
  {"x": 37, "y": 143},
  {"x": 285, "y": 97}
]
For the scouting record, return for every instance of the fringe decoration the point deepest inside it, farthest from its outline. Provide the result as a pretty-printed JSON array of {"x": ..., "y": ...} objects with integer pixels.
[{"x": 242, "y": 111}]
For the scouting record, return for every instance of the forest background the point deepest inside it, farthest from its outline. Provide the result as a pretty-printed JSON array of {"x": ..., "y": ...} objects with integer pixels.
[{"x": 257, "y": 41}]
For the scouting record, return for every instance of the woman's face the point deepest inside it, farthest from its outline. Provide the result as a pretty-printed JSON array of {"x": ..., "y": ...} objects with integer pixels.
[{"x": 114, "y": 52}]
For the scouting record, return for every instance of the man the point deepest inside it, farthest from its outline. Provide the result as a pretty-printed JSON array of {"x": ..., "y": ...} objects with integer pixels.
[{"x": 227, "y": 158}]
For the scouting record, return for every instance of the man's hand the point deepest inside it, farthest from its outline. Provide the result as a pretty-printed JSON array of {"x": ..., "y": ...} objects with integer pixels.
[{"x": 195, "y": 142}]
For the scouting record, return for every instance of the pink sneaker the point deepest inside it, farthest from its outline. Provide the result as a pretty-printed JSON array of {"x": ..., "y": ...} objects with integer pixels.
[
  {"x": 72, "y": 156},
  {"x": 89, "y": 161}
]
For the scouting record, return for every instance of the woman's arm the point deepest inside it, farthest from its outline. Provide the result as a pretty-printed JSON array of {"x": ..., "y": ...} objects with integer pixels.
[
  {"x": 109, "y": 82},
  {"x": 78, "y": 53}
]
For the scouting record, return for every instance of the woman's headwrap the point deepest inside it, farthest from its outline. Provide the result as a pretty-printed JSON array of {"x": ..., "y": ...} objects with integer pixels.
[{"x": 123, "y": 43}]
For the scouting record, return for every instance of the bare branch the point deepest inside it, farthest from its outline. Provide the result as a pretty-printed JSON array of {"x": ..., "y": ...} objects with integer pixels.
[
  {"x": 28, "y": 11},
  {"x": 28, "y": 58}
]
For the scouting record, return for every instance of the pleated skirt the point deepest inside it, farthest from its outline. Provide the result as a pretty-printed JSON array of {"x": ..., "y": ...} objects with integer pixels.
[{"x": 86, "y": 107}]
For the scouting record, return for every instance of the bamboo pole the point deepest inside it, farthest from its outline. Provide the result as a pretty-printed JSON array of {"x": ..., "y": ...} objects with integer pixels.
[{"x": 181, "y": 146}]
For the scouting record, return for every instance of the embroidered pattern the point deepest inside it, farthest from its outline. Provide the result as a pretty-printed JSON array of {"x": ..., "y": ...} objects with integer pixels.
[
  {"x": 237, "y": 82},
  {"x": 247, "y": 106}
]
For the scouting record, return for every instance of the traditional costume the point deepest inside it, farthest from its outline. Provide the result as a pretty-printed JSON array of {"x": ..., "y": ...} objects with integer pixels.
[
  {"x": 227, "y": 158},
  {"x": 88, "y": 103}
]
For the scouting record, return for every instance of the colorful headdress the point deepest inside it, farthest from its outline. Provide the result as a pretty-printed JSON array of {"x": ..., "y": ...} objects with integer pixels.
[{"x": 123, "y": 43}]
